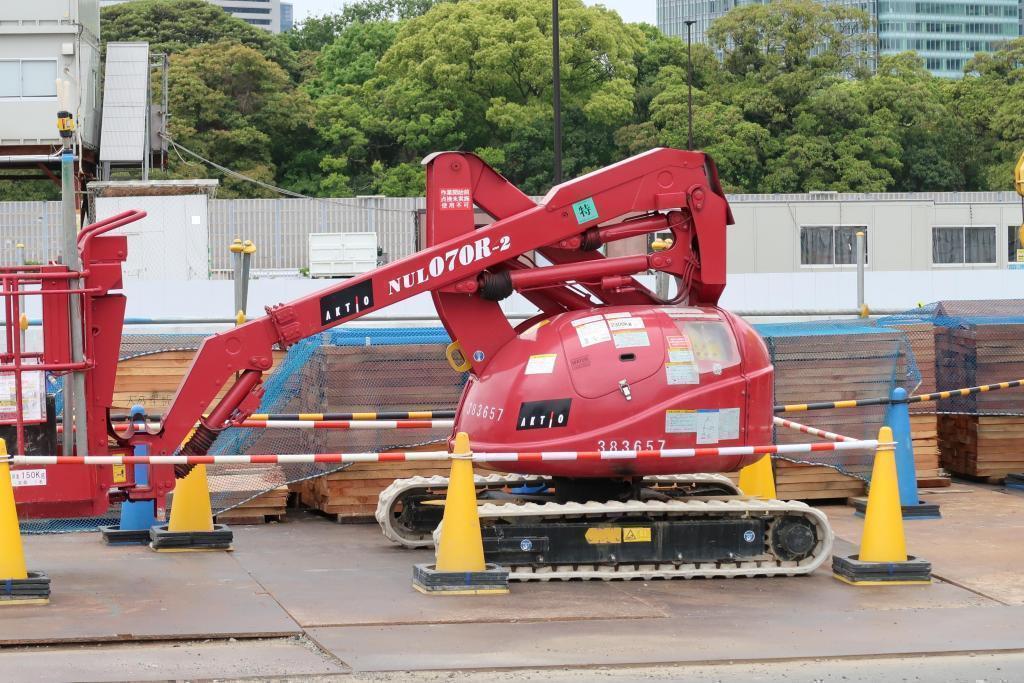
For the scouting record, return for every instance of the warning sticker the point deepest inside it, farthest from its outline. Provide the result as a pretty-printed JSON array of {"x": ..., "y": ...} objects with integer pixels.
[
  {"x": 689, "y": 313},
  {"x": 682, "y": 373},
  {"x": 587, "y": 320},
  {"x": 678, "y": 342},
  {"x": 543, "y": 364},
  {"x": 33, "y": 397},
  {"x": 702, "y": 423},
  {"x": 454, "y": 198},
  {"x": 625, "y": 339},
  {"x": 620, "y": 314},
  {"x": 593, "y": 333},
  {"x": 28, "y": 477},
  {"x": 728, "y": 424},
  {"x": 677, "y": 355},
  {"x": 636, "y": 535},
  {"x": 120, "y": 474},
  {"x": 626, "y": 324}
]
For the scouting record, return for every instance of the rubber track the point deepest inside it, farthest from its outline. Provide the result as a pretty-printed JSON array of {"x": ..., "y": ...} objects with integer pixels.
[
  {"x": 389, "y": 497},
  {"x": 596, "y": 512}
]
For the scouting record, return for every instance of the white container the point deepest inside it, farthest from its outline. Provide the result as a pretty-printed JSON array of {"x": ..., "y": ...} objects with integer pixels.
[{"x": 342, "y": 254}]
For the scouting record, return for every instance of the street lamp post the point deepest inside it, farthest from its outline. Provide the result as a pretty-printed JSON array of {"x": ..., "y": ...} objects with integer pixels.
[
  {"x": 689, "y": 82},
  {"x": 556, "y": 86}
]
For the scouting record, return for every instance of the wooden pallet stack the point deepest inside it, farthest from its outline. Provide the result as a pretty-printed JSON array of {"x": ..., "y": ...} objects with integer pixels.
[
  {"x": 231, "y": 483},
  {"x": 153, "y": 379},
  {"x": 388, "y": 377},
  {"x": 848, "y": 362},
  {"x": 982, "y": 435}
]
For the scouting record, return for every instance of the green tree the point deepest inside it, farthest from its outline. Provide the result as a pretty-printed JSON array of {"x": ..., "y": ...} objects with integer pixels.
[
  {"x": 176, "y": 25},
  {"x": 232, "y": 105},
  {"x": 316, "y": 33}
]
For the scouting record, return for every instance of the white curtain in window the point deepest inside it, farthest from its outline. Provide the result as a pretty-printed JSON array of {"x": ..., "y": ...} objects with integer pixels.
[
  {"x": 980, "y": 245},
  {"x": 10, "y": 78},
  {"x": 816, "y": 245},
  {"x": 39, "y": 78},
  {"x": 947, "y": 245}
]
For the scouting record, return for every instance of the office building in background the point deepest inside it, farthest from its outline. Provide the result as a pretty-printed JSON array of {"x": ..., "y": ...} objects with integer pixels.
[
  {"x": 287, "y": 16},
  {"x": 945, "y": 34},
  {"x": 265, "y": 14}
]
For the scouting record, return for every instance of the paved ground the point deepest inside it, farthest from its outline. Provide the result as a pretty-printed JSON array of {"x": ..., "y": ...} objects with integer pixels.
[{"x": 313, "y": 598}]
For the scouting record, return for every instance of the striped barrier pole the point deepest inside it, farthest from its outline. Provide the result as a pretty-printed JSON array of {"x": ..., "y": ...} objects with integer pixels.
[
  {"x": 814, "y": 431},
  {"x": 379, "y": 415},
  {"x": 412, "y": 456},
  {"x": 349, "y": 424},
  {"x": 885, "y": 400}
]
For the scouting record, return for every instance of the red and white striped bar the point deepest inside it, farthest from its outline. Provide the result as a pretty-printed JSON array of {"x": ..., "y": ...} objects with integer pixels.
[
  {"x": 813, "y": 431},
  {"x": 407, "y": 456},
  {"x": 349, "y": 424}
]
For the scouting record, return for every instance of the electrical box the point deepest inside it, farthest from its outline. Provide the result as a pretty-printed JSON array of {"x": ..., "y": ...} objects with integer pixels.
[{"x": 342, "y": 254}]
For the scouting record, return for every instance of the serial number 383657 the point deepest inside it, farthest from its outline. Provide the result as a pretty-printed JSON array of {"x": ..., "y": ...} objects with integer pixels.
[
  {"x": 627, "y": 445},
  {"x": 484, "y": 411}
]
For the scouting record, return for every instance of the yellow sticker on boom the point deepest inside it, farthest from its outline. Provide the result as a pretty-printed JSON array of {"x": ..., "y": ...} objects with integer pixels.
[
  {"x": 599, "y": 535},
  {"x": 120, "y": 474},
  {"x": 636, "y": 535}
]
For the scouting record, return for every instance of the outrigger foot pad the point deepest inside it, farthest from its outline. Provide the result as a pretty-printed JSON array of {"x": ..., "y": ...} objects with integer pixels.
[
  {"x": 493, "y": 580},
  {"x": 854, "y": 571},
  {"x": 34, "y": 590},
  {"x": 163, "y": 540}
]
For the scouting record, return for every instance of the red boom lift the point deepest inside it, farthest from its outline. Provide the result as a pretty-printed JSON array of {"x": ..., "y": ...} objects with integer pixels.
[{"x": 605, "y": 365}]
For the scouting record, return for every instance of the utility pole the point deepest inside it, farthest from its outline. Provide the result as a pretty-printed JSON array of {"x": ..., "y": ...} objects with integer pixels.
[
  {"x": 556, "y": 86},
  {"x": 689, "y": 82},
  {"x": 74, "y": 382}
]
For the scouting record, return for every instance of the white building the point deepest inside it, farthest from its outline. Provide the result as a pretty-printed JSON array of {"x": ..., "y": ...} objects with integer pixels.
[
  {"x": 265, "y": 14},
  {"x": 42, "y": 42}
]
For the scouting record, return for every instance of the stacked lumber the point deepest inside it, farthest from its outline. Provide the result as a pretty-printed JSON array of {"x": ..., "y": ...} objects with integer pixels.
[
  {"x": 261, "y": 487},
  {"x": 982, "y": 354},
  {"x": 814, "y": 482},
  {"x": 386, "y": 377},
  {"x": 152, "y": 380},
  {"x": 987, "y": 446},
  {"x": 847, "y": 362},
  {"x": 350, "y": 495},
  {"x": 269, "y": 506},
  {"x": 925, "y": 436}
]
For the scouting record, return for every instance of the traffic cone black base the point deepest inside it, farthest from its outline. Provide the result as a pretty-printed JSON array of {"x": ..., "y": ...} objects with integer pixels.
[
  {"x": 164, "y": 540},
  {"x": 922, "y": 510},
  {"x": 34, "y": 590},
  {"x": 493, "y": 580},
  {"x": 853, "y": 571}
]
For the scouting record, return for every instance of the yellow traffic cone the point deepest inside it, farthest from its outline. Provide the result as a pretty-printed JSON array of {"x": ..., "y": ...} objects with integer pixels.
[
  {"x": 191, "y": 525},
  {"x": 883, "y": 539},
  {"x": 18, "y": 586},
  {"x": 460, "y": 568},
  {"x": 461, "y": 548},
  {"x": 12, "y": 555},
  {"x": 883, "y": 559},
  {"x": 191, "y": 510},
  {"x": 758, "y": 480}
]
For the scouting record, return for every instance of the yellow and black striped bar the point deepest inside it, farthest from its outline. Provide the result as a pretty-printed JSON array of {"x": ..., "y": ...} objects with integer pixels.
[
  {"x": 885, "y": 400},
  {"x": 953, "y": 393},
  {"x": 382, "y": 415}
]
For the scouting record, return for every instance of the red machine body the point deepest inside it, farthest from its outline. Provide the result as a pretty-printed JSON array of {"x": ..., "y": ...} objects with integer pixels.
[
  {"x": 624, "y": 378},
  {"x": 632, "y": 370}
]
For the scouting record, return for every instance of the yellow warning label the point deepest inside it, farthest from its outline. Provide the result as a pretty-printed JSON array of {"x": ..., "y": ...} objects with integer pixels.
[
  {"x": 636, "y": 535},
  {"x": 120, "y": 475},
  {"x": 597, "y": 535}
]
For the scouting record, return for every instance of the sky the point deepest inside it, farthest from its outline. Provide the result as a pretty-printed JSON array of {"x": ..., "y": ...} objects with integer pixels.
[{"x": 629, "y": 10}]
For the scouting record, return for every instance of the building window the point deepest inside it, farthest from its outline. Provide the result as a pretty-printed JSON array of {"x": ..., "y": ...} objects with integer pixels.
[
  {"x": 1015, "y": 253},
  {"x": 28, "y": 78},
  {"x": 246, "y": 10},
  {"x": 964, "y": 244},
  {"x": 831, "y": 245}
]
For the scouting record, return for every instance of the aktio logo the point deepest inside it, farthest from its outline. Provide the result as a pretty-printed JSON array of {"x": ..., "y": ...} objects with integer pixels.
[{"x": 544, "y": 414}]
